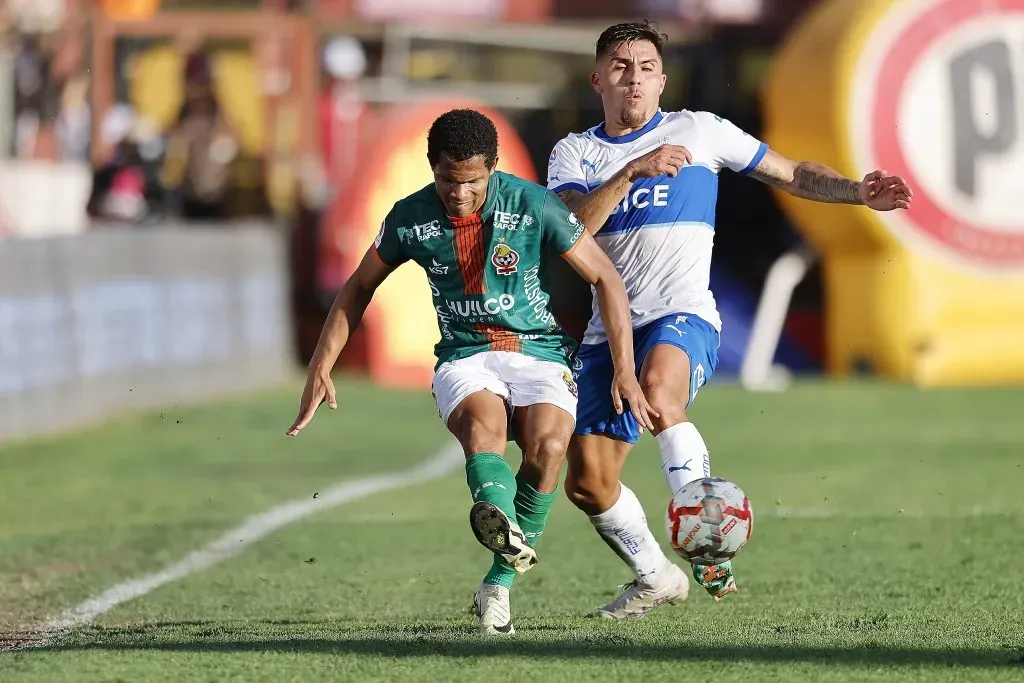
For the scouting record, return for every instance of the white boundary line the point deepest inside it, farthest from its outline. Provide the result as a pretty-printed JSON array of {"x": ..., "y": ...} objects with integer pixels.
[{"x": 235, "y": 541}]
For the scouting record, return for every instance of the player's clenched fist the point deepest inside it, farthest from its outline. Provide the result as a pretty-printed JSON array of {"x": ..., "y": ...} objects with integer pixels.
[{"x": 666, "y": 160}]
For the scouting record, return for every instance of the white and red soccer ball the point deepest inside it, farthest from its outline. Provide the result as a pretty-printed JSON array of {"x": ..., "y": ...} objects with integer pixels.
[{"x": 709, "y": 520}]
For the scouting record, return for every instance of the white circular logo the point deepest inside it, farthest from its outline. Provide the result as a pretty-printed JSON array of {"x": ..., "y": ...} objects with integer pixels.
[{"x": 940, "y": 101}]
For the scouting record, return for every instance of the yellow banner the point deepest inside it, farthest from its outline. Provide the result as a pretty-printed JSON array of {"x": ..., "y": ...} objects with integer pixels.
[{"x": 925, "y": 89}]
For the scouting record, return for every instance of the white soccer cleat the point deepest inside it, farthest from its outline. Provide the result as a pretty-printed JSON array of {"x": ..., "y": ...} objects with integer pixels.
[
  {"x": 639, "y": 598},
  {"x": 492, "y": 608},
  {"x": 501, "y": 535}
]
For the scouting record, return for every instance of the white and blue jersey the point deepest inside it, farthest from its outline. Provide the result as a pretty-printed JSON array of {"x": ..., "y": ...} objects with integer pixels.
[
  {"x": 661, "y": 235},
  {"x": 660, "y": 239}
]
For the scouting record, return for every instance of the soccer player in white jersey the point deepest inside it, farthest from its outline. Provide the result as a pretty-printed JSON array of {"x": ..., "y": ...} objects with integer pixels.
[{"x": 645, "y": 182}]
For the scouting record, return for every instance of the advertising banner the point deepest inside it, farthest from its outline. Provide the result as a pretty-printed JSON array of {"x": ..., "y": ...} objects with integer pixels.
[
  {"x": 114, "y": 321},
  {"x": 932, "y": 90}
]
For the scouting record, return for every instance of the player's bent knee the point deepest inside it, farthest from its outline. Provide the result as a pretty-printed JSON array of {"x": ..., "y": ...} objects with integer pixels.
[
  {"x": 551, "y": 448},
  {"x": 592, "y": 495},
  {"x": 578, "y": 494},
  {"x": 543, "y": 458},
  {"x": 595, "y": 463},
  {"x": 480, "y": 435},
  {"x": 483, "y": 441},
  {"x": 668, "y": 402}
]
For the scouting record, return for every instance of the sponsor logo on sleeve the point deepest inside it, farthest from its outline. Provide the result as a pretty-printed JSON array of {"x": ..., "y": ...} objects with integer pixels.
[
  {"x": 424, "y": 231},
  {"x": 576, "y": 223}
]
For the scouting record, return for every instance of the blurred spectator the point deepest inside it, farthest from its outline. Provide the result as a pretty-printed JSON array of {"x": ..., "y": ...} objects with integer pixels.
[
  {"x": 341, "y": 108},
  {"x": 201, "y": 146},
  {"x": 74, "y": 121},
  {"x": 126, "y": 188},
  {"x": 52, "y": 115},
  {"x": 345, "y": 121},
  {"x": 29, "y": 79}
]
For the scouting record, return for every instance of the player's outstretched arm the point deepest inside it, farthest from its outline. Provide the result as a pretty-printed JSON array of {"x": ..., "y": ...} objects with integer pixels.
[
  {"x": 593, "y": 265},
  {"x": 594, "y": 207},
  {"x": 811, "y": 180},
  {"x": 342, "y": 321}
]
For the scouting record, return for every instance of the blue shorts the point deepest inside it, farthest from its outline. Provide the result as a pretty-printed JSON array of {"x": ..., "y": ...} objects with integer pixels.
[{"x": 593, "y": 371}]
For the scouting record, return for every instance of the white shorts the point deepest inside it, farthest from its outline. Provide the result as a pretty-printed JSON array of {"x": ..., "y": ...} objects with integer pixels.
[{"x": 519, "y": 379}]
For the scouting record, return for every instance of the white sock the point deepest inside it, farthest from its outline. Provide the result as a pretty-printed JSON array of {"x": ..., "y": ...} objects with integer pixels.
[
  {"x": 684, "y": 456},
  {"x": 623, "y": 526}
]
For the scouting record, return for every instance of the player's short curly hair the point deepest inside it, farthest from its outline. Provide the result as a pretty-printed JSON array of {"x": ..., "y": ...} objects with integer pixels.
[
  {"x": 629, "y": 33},
  {"x": 462, "y": 134}
]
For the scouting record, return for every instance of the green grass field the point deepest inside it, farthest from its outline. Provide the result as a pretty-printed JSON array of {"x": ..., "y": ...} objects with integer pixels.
[{"x": 887, "y": 546}]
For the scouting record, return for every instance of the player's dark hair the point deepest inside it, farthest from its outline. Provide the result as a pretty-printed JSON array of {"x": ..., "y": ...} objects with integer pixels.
[
  {"x": 630, "y": 33},
  {"x": 462, "y": 134}
]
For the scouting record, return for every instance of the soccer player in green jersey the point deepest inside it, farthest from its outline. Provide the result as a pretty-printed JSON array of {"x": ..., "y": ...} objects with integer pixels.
[{"x": 484, "y": 239}]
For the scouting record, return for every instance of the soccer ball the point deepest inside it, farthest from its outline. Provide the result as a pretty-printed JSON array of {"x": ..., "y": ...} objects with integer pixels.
[{"x": 709, "y": 520}]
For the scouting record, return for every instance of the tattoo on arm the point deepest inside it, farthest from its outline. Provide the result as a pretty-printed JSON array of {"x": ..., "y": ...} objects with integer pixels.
[
  {"x": 808, "y": 180},
  {"x": 815, "y": 181},
  {"x": 771, "y": 174}
]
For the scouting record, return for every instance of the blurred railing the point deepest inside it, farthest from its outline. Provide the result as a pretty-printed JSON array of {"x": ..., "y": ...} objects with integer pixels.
[{"x": 113, "y": 320}]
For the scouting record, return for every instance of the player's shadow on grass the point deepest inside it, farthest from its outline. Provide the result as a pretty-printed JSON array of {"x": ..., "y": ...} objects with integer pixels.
[{"x": 539, "y": 641}]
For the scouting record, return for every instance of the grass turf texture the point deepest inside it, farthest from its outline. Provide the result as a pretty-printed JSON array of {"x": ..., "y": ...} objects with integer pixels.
[{"x": 886, "y": 546}]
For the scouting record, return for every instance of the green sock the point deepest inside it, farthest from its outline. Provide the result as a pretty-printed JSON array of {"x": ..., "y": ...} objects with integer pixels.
[
  {"x": 532, "y": 509},
  {"x": 491, "y": 479}
]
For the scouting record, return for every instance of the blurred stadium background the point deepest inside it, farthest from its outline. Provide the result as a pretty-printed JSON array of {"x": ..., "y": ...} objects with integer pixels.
[{"x": 184, "y": 185}]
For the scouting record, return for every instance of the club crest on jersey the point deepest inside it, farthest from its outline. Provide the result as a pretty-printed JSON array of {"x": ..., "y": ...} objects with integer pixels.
[
  {"x": 505, "y": 259},
  {"x": 569, "y": 382}
]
